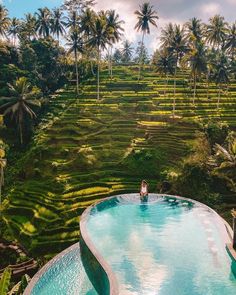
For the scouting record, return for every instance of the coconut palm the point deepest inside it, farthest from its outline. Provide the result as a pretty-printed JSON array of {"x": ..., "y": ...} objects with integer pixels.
[
  {"x": 178, "y": 47},
  {"x": 75, "y": 42},
  {"x": 221, "y": 75},
  {"x": 4, "y": 21},
  {"x": 73, "y": 21},
  {"x": 43, "y": 23},
  {"x": 99, "y": 39},
  {"x": 28, "y": 26},
  {"x": 58, "y": 23},
  {"x": 198, "y": 64},
  {"x": 146, "y": 16},
  {"x": 86, "y": 21},
  {"x": 77, "y": 5},
  {"x": 18, "y": 107},
  {"x": 14, "y": 29},
  {"x": 194, "y": 30},
  {"x": 115, "y": 31},
  {"x": 230, "y": 42},
  {"x": 127, "y": 51},
  {"x": 167, "y": 34},
  {"x": 165, "y": 65},
  {"x": 216, "y": 31}
]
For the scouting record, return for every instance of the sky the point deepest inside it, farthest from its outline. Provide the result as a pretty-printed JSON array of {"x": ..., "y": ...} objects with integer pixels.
[{"x": 176, "y": 11}]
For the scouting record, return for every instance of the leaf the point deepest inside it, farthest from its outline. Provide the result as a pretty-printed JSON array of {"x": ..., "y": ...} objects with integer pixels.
[
  {"x": 5, "y": 281},
  {"x": 15, "y": 289}
]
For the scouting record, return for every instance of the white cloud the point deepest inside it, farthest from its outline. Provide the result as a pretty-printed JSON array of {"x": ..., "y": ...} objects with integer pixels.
[{"x": 210, "y": 9}]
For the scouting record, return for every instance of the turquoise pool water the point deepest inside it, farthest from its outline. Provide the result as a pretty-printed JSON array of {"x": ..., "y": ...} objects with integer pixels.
[
  {"x": 66, "y": 276},
  {"x": 163, "y": 246}
]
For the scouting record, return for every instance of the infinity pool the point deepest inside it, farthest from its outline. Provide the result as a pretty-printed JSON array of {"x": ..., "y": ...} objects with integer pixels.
[
  {"x": 64, "y": 276},
  {"x": 165, "y": 246}
]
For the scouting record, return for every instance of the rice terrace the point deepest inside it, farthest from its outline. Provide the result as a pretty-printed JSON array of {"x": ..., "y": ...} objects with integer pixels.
[{"x": 117, "y": 147}]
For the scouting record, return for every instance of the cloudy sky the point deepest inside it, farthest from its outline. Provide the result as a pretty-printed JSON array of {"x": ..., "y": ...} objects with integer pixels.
[{"x": 177, "y": 11}]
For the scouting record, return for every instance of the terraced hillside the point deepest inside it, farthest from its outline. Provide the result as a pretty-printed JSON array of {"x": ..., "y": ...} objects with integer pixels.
[{"x": 87, "y": 149}]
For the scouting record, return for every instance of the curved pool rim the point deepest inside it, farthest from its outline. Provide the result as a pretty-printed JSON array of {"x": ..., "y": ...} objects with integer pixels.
[
  {"x": 114, "y": 290},
  {"x": 46, "y": 267}
]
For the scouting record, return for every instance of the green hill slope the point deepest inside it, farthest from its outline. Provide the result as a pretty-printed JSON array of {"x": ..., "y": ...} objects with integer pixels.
[{"x": 87, "y": 149}]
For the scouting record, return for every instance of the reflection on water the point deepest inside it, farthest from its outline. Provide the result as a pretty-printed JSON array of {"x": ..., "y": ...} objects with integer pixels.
[{"x": 164, "y": 246}]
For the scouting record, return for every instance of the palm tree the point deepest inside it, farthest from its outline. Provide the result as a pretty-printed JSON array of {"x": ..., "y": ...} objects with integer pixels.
[
  {"x": 14, "y": 29},
  {"x": 146, "y": 15},
  {"x": 57, "y": 23},
  {"x": 99, "y": 39},
  {"x": 167, "y": 35},
  {"x": 73, "y": 21},
  {"x": 198, "y": 64},
  {"x": 28, "y": 26},
  {"x": 127, "y": 51},
  {"x": 114, "y": 29},
  {"x": 221, "y": 75},
  {"x": 194, "y": 30},
  {"x": 230, "y": 42},
  {"x": 4, "y": 21},
  {"x": 43, "y": 23},
  {"x": 18, "y": 107},
  {"x": 178, "y": 47},
  {"x": 165, "y": 65},
  {"x": 215, "y": 31},
  {"x": 76, "y": 46},
  {"x": 86, "y": 22}
]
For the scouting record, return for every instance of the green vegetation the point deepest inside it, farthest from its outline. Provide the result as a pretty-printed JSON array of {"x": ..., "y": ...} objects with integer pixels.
[{"x": 102, "y": 128}]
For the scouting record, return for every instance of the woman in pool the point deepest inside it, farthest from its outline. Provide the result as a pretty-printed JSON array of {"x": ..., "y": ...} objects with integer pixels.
[{"x": 143, "y": 189}]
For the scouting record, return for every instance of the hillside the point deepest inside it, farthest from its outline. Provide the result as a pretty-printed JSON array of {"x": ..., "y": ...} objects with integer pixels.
[{"x": 86, "y": 149}]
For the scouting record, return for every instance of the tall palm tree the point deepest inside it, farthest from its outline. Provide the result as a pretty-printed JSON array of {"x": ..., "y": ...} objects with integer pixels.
[
  {"x": 43, "y": 23},
  {"x": 165, "y": 65},
  {"x": 58, "y": 23},
  {"x": 216, "y": 30},
  {"x": 198, "y": 64},
  {"x": 99, "y": 39},
  {"x": 4, "y": 21},
  {"x": 75, "y": 42},
  {"x": 230, "y": 42},
  {"x": 221, "y": 75},
  {"x": 19, "y": 105},
  {"x": 194, "y": 30},
  {"x": 167, "y": 34},
  {"x": 127, "y": 51},
  {"x": 86, "y": 21},
  {"x": 115, "y": 31},
  {"x": 73, "y": 21},
  {"x": 28, "y": 26},
  {"x": 178, "y": 47},
  {"x": 146, "y": 15},
  {"x": 14, "y": 29}
]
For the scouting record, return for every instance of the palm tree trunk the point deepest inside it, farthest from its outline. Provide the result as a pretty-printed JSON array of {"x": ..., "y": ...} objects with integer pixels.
[
  {"x": 140, "y": 59},
  {"x": 167, "y": 82},
  {"x": 208, "y": 85},
  {"x": 77, "y": 73},
  {"x": 194, "y": 87},
  {"x": 174, "y": 102},
  {"x": 21, "y": 132},
  {"x": 111, "y": 63},
  {"x": 98, "y": 74},
  {"x": 218, "y": 100}
]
